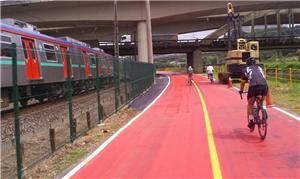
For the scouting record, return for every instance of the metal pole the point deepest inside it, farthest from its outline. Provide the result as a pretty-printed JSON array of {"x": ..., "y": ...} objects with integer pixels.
[
  {"x": 98, "y": 90},
  {"x": 116, "y": 29},
  {"x": 228, "y": 33},
  {"x": 69, "y": 96},
  {"x": 125, "y": 80},
  {"x": 16, "y": 109},
  {"x": 116, "y": 60},
  {"x": 276, "y": 77},
  {"x": 290, "y": 75},
  {"x": 149, "y": 31}
]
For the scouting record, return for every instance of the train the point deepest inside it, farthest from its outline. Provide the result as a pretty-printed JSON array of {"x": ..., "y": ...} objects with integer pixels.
[{"x": 42, "y": 63}]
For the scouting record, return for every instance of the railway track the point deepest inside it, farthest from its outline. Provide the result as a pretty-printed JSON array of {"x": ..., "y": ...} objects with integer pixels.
[
  {"x": 34, "y": 102},
  {"x": 37, "y": 115}
]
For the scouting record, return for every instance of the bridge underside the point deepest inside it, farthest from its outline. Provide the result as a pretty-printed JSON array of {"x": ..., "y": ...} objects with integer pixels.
[
  {"x": 194, "y": 49},
  {"x": 92, "y": 22}
]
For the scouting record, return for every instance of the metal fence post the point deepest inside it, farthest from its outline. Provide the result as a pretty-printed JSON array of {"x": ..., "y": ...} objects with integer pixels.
[
  {"x": 16, "y": 109},
  {"x": 98, "y": 91},
  {"x": 116, "y": 82},
  {"x": 276, "y": 77},
  {"x": 290, "y": 75},
  {"x": 265, "y": 70},
  {"x": 69, "y": 96},
  {"x": 125, "y": 80},
  {"x": 154, "y": 73}
]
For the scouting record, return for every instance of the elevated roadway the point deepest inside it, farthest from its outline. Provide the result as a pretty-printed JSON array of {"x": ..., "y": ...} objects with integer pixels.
[
  {"x": 190, "y": 45},
  {"x": 197, "y": 131},
  {"x": 93, "y": 20}
]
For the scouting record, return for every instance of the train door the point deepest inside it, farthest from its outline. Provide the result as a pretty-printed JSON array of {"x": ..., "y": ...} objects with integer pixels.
[
  {"x": 33, "y": 71},
  {"x": 87, "y": 64},
  {"x": 100, "y": 67},
  {"x": 63, "y": 51},
  {"x": 108, "y": 66}
]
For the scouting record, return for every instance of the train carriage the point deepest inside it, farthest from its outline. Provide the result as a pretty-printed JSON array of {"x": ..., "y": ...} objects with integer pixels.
[{"x": 42, "y": 63}]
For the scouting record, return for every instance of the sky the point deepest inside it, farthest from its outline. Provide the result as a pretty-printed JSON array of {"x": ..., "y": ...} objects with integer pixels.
[{"x": 194, "y": 35}]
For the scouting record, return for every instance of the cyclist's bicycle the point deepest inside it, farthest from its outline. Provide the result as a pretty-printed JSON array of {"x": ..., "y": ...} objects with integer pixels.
[
  {"x": 211, "y": 78},
  {"x": 190, "y": 79},
  {"x": 260, "y": 116}
]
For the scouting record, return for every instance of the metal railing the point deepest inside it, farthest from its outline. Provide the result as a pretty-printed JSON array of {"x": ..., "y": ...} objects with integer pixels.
[{"x": 289, "y": 75}]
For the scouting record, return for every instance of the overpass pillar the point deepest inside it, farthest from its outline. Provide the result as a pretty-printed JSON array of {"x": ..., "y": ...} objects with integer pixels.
[
  {"x": 189, "y": 57},
  {"x": 142, "y": 42},
  {"x": 197, "y": 61}
]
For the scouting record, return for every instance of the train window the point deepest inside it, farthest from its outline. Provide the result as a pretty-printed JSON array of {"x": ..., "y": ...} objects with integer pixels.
[
  {"x": 32, "y": 50},
  {"x": 5, "y": 44},
  {"x": 24, "y": 49},
  {"x": 50, "y": 52},
  {"x": 92, "y": 58}
]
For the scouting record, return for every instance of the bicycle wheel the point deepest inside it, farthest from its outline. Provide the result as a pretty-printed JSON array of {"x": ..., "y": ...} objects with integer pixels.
[{"x": 262, "y": 123}]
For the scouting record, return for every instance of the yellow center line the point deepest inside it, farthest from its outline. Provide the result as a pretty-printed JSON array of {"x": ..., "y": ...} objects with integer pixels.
[{"x": 211, "y": 143}]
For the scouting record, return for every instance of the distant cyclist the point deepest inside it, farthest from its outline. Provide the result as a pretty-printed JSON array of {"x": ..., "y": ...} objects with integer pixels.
[
  {"x": 190, "y": 73},
  {"x": 210, "y": 72},
  {"x": 257, "y": 86}
]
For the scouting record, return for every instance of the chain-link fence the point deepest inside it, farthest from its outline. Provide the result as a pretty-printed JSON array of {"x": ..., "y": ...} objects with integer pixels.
[{"x": 58, "y": 112}]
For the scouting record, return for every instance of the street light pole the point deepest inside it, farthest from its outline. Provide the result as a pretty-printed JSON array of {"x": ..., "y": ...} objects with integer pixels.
[
  {"x": 149, "y": 31},
  {"x": 116, "y": 30},
  {"x": 116, "y": 59}
]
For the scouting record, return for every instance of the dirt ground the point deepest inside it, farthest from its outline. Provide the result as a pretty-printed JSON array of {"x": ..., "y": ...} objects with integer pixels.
[{"x": 70, "y": 154}]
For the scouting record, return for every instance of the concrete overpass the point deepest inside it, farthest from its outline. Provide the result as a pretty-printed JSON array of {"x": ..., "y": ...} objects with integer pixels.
[
  {"x": 92, "y": 21},
  {"x": 190, "y": 45}
]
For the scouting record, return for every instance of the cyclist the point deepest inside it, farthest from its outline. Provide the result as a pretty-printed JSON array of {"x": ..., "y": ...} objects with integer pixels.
[
  {"x": 190, "y": 73},
  {"x": 210, "y": 71},
  {"x": 257, "y": 86}
]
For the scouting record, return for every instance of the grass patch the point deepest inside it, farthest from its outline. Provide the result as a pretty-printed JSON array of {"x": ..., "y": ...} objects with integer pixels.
[
  {"x": 174, "y": 69},
  {"x": 70, "y": 158},
  {"x": 284, "y": 94}
]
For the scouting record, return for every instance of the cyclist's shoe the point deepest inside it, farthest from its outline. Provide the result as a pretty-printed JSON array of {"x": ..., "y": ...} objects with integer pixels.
[{"x": 251, "y": 125}]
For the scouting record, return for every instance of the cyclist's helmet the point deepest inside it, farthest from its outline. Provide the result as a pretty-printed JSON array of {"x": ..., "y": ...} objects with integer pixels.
[{"x": 250, "y": 61}]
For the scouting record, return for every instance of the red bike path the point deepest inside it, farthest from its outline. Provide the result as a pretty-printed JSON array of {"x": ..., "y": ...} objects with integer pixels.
[{"x": 170, "y": 140}]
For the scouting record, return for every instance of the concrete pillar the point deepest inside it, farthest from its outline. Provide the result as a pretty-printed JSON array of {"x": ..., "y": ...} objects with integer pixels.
[
  {"x": 252, "y": 26},
  {"x": 266, "y": 24},
  {"x": 278, "y": 23},
  {"x": 293, "y": 22},
  {"x": 189, "y": 58},
  {"x": 142, "y": 42},
  {"x": 290, "y": 21},
  {"x": 197, "y": 61}
]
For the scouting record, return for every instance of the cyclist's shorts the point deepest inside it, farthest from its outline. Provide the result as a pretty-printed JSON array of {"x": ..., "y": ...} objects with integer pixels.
[
  {"x": 190, "y": 74},
  {"x": 257, "y": 90}
]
